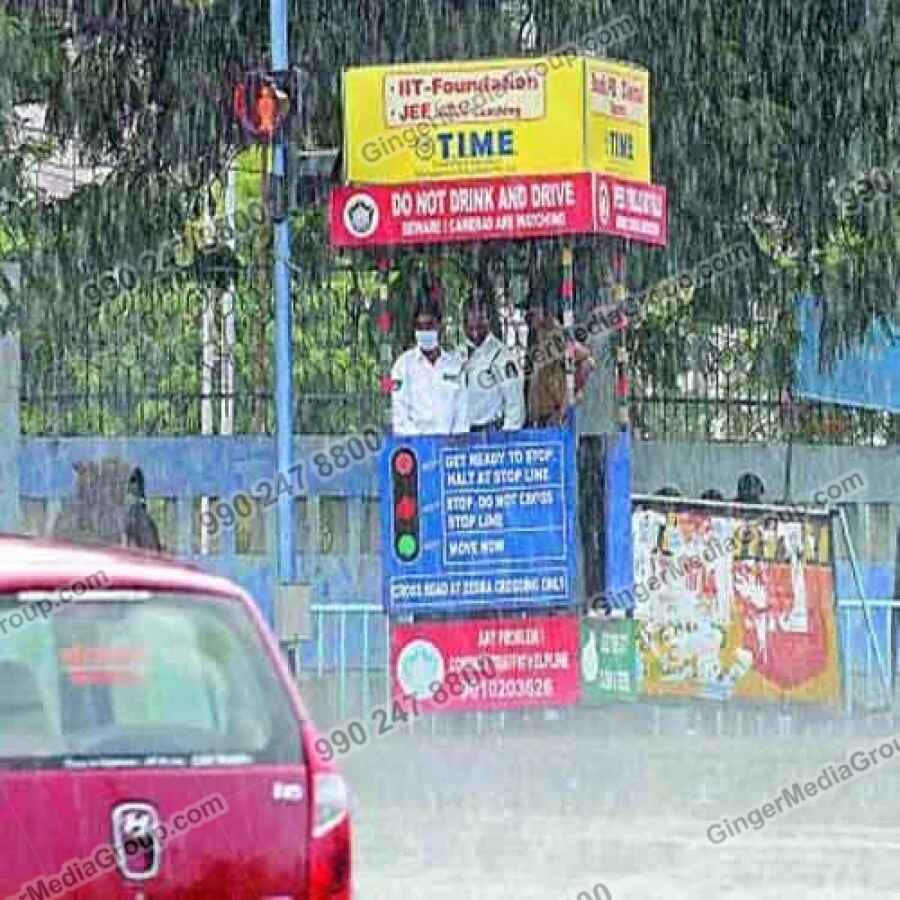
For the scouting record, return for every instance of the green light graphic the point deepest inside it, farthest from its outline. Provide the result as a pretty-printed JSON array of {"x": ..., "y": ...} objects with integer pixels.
[{"x": 406, "y": 546}]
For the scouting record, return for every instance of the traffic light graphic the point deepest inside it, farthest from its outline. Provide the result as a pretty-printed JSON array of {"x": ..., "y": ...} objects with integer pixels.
[{"x": 405, "y": 479}]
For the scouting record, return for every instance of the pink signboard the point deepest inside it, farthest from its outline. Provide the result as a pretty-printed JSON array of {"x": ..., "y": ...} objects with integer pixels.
[
  {"x": 471, "y": 664},
  {"x": 511, "y": 208}
]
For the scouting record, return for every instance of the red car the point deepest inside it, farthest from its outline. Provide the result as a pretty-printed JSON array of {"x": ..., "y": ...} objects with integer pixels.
[{"x": 152, "y": 741}]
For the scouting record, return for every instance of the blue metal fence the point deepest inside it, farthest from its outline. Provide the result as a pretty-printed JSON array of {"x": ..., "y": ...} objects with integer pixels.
[{"x": 862, "y": 685}]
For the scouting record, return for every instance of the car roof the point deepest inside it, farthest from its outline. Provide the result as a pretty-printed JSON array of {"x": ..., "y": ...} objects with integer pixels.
[{"x": 37, "y": 564}]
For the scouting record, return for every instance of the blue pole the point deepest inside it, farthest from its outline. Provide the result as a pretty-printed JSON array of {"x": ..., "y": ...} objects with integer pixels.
[
  {"x": 619, "y": 555},
  {"x": 284, "y": 363},
  {"x": 9, "y": 407}
]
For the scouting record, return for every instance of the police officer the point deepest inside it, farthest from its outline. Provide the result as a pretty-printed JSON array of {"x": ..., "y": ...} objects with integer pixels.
[
  {"x": 428, "y": 390},
  {"x": 494, "y": 381}
]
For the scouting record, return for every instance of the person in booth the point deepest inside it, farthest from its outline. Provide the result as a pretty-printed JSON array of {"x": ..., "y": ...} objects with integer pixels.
[
  {"x": 494, "y": 382},
  {"x": 428, "y": 390},
  {"x": 545, "y": 365}
]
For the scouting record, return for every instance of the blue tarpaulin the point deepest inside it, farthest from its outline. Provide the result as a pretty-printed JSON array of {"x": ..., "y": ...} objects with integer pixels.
[{"x": 868, "y": 377}]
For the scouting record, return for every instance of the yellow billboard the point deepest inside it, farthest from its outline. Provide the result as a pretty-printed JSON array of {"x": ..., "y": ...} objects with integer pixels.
[
  {"x": 617, "y": 119},
  {"x": 484, "y": 118}
]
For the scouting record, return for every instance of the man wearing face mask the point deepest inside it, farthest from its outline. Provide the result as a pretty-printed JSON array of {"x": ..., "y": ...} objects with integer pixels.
[
  {"x": 494, "y": 382},
  {"x": 429, "y": 394}
]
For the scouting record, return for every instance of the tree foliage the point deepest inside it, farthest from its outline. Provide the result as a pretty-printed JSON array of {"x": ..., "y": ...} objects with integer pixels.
[{"x": 760, "y": 110}]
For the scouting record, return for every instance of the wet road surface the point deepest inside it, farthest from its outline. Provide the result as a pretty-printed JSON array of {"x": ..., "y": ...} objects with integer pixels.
[{"x": 625, "y": 795}]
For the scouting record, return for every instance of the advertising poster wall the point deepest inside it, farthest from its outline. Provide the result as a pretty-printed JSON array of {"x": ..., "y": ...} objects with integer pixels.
[
  {"x": 535, "y": 662},
  {"x": 734, "y": 605}
]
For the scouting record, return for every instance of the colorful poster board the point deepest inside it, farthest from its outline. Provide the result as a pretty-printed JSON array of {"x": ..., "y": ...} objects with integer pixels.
[
  {"x": 535, "y": 662},
  {"x": 479, "y": 521},
  {"x": 608, "y": 660},
  {"x": 496, "y": 209},
  {"x": 460, "y": 119},
  {"x": 617, "y": 119},
  {"x": 731, "y": 604}
]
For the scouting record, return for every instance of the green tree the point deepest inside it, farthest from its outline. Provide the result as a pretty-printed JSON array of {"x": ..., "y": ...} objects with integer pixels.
[{"x": 759, "y": 111}]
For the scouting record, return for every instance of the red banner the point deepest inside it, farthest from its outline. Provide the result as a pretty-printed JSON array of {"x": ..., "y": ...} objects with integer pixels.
[
  {"x": 511, "y": 208},
  {"x": 631, "y": 210},
  {"x": 486, "y": 663}
]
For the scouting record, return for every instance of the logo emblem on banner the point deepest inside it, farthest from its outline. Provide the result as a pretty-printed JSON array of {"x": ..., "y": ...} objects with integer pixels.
[
  {"x": 361, "y": 215},
  {"x": 419, "y": 665},
  {"x": 424, "y": 148}
]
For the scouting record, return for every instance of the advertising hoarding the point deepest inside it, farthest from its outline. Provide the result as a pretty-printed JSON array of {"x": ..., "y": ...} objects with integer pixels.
[
  {"x": 459, "y": 119},
  {"x": 731, "y": 605},
  {"x": 866, "y": 376},
  {"x": 608, "y": 660},
  {"x": 617, "y": 119},
  {"x": 533, "y": 662},
  {"x": 497, "y": 209}
]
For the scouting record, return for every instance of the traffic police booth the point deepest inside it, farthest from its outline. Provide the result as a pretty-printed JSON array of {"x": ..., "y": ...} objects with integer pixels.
[{"x": 480, "y": 547}]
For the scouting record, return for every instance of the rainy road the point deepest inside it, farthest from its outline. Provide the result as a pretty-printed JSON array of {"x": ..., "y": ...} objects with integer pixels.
[{"x": 625, "y": 796}]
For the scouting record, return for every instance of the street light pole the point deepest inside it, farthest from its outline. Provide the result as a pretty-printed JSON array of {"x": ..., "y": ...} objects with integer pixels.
[{"x": 284, "y": 384}]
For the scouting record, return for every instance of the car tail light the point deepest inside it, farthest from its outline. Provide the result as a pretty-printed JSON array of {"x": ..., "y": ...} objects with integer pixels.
[
  {"x": 329, "y": 860},
  {"x": 329, "y": 802}
]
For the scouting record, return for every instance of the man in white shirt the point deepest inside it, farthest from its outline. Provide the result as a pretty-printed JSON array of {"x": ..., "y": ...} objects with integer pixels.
[
  {"x": 494, "y": 382},
  {"x": 429, "y": 395}
]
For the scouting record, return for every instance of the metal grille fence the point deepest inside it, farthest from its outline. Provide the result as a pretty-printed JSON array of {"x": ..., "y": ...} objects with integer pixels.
[{"x": 157, "y": 359}]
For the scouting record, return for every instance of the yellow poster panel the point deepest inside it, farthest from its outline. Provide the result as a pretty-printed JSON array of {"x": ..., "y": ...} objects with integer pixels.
[
  {"x": 728, "y": 608},
  {"x": 617, "y": 113},
  {"x": 426, "y": 121}
]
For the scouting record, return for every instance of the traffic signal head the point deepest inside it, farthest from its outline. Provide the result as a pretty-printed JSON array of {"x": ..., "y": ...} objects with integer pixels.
[
  {"x": 260, "y": 106},
  {"x": 266, "y": 111},
  {"x": 405, "y": 483}
]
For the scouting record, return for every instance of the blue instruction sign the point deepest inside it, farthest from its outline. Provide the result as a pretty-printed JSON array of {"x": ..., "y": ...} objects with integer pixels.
[{"x": 479, "y": 522}]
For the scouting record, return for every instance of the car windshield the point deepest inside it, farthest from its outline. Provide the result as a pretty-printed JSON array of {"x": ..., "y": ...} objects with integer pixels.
[{"x": 161, "y": 681}]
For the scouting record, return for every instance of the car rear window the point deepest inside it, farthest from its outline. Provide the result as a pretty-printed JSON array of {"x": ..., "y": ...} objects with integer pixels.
[{"x": 165, "y": 681}]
